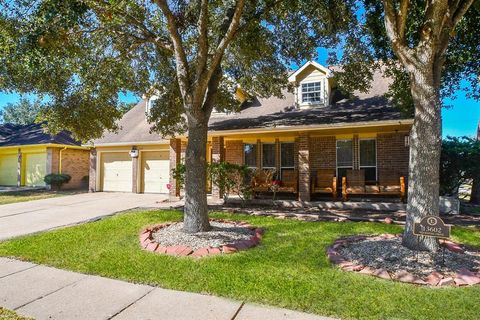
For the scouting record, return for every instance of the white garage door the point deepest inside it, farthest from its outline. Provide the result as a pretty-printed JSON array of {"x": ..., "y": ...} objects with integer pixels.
[
  {"x": 155, "y": 171},
  {"x": 35, "y": 169},
  {"x": 8, "y": 170},
  {"x": 116, "y": 172}
]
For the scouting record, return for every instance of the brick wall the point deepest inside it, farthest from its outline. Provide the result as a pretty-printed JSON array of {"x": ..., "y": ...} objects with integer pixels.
[
  {"x": 392, "y": 154},
  {"x": 234, "y": 151},
  {"x": 75, "y": 163},
  {"x": 55, "y": 159},
  {"x": 322, "y": 153}
]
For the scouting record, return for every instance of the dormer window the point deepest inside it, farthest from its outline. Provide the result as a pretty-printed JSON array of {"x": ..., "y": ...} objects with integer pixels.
[{"x": 311, "y": 92}]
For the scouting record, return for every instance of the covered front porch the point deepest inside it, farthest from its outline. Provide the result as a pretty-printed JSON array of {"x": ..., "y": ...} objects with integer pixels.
[{"x": 328, "y": 163}]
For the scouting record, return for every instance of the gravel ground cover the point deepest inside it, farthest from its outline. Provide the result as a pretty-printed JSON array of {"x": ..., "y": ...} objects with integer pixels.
[
  {"x": 389, "y": 254},
  {"x": 222, "y": 233}
]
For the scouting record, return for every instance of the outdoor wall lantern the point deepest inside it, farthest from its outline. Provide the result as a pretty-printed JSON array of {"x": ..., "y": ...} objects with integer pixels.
[{"x": 134, "y": 152}]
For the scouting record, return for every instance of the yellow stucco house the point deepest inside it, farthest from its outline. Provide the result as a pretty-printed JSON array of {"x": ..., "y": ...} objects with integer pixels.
[
  {"x": 314, "y": 132},
  {"x": 27, "y": 154}
]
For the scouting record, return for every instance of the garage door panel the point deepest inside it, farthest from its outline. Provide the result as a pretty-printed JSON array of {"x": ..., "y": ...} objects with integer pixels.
[
  {"x": 117, "y": 172},
  {"x": 8, "y": 170},
  {"x": 35, "y": 169},
  {"x": 156, "y": 171}
]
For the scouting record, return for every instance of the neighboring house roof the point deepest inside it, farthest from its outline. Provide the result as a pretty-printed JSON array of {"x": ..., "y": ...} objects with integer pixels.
[
  {"x": 133, "y": 128},
  {"x": 31, "y": 134},
  {"x": 274, "y": 112}
]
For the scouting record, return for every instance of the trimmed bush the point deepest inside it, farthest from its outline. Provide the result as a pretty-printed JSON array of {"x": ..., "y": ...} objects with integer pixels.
[{"x": 57, "y": 180}]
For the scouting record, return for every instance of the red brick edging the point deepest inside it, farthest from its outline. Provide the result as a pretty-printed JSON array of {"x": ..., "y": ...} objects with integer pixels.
[
  {"x": 462, "y": 277},
  {"x": 147, "y": 242}
]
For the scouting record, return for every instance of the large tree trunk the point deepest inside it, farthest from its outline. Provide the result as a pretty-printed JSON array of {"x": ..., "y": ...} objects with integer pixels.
[
  {"x": 425, "y": 145},
  {"x": 475, "y": 194},
  {"x": 196, "y": 209}
]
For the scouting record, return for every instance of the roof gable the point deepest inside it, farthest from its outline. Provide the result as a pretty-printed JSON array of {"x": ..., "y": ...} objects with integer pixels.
[{"x": 310, "y": 64}]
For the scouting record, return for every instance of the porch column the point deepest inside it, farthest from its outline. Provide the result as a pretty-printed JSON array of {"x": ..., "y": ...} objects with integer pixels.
[
  {"x": 218, "y": 155},
  {"x": 92, "y": 174},
  {"x": 175, "y": 157},
  {"x": 356, "y": 146},
  {"x": 19, "y": 167},
  {"x": 259, "y": 154},
  {"x": 304, "y": 167},
  {"x": 277, "y": 158}
]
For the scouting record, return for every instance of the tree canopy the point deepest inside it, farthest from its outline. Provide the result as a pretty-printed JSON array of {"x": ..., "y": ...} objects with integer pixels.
[
  {"x": 368, "y": 48},
  {"x": 24, "y": 111},
  {"x": 81, "y": 53}
]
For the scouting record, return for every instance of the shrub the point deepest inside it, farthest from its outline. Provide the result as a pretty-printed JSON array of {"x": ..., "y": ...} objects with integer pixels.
[
  {"x": 460, "y": 163},
  {"x": 178, "y": 174},
  {"x": 232, "y": 179},
  {"x": 57, "y": 180},
  {"x": 229, "y": 177}
]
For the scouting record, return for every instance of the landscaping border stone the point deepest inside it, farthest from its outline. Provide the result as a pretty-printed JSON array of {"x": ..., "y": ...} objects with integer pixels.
[
  {"x": 148, "y": 243},
  {"x": 462, "y": 277}
]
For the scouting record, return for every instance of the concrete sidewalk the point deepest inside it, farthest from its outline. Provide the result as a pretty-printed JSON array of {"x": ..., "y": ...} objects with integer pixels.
[
  {"x": 48, "y": 293},
  {"x": 17, "y": 219}
]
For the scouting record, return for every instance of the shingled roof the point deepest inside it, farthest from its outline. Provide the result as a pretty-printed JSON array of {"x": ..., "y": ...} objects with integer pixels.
[
  {"x": 31, "y": 134},
  {"x": 271, "y": 113},
  {"x": 274, "y": 112},
  {"x": 134, "y": 128}
]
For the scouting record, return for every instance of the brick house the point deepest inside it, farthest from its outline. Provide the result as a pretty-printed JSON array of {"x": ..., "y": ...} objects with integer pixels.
[
  {"x": 27, "y": 154},
  {"x": 310, "y": 130}
]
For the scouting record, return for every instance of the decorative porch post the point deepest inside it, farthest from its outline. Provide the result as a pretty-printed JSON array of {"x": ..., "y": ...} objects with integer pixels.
[
  {"x": 218, "y": 155},
  {"x": 175, "y": 157},
  {"x": 304, "y": 167}
]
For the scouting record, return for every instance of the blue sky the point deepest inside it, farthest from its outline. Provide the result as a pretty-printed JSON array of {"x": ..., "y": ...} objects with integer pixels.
[{"x": 459, "y": 120}]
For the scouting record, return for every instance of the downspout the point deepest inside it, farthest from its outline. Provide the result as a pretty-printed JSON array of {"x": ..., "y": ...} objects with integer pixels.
[{"x": 60, "y": 161}]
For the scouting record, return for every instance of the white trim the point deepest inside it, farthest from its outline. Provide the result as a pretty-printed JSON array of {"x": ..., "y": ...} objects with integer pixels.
[
  {"x": 328, "y": 72},
  {"x": 322, "y": 94}
]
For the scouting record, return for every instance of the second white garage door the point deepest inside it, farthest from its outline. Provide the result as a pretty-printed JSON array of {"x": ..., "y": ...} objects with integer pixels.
[
  {"x": 155, "y": 171},
  {"x": 117, "y": 172},
  {"x": 8, "y": 170}
]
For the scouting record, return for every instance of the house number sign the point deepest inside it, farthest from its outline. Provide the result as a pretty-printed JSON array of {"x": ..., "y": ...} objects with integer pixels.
[{"x": 431, "y": 226}]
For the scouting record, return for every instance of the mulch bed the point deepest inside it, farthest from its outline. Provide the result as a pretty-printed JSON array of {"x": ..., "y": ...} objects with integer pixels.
[
  {"x": 384, "y": 257},
  {"x": 225, "y": 237}
]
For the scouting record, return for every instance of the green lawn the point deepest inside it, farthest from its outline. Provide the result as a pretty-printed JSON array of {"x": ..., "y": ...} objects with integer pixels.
[
  {"x": 289, "y": 268},
  {"x": 22, "y": 196},
  {"x": 10, "y": 315}
]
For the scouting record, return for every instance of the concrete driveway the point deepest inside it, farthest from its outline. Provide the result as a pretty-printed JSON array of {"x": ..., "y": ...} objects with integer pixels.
[{"x": 23, "y": 218}]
